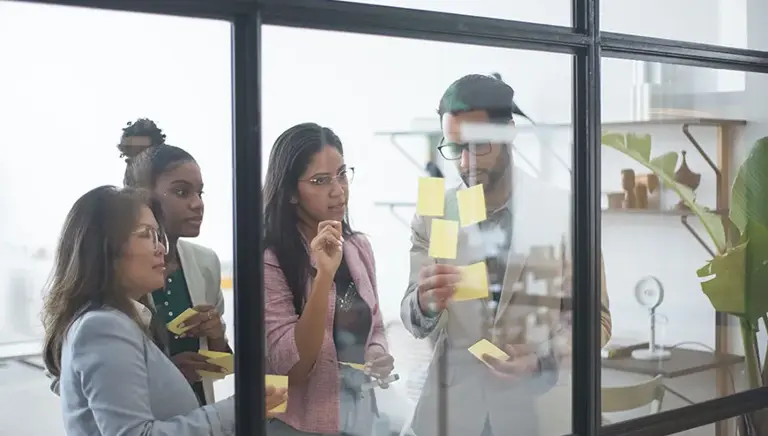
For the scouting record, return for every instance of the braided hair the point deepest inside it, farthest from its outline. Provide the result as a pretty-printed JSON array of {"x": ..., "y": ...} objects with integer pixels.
[{"x": 146, "y": 154}]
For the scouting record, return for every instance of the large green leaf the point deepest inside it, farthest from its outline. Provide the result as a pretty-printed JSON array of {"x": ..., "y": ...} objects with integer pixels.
[
  {"x": 638, "y": 147},
  {"x": 736, "y": 281},
  {"x": 749, "y": 193}
]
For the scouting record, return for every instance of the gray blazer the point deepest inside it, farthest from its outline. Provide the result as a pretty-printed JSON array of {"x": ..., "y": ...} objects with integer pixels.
[
  {"x": 541, "y": 217},
  {"x": 116, "y": 382}
]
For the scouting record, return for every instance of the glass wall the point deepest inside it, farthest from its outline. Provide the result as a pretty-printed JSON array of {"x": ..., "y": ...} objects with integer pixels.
[
  {"x": 386, "y": 116},
  {"x": 452, "y": 167},
  {"x": 66, "y": 101}
]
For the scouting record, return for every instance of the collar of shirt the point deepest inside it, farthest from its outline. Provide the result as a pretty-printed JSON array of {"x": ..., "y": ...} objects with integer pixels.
[{"x": 145, "y": 315}]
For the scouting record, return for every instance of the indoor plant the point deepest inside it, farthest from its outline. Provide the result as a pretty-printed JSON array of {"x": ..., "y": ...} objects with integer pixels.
[{"x": 736, "y": 278}]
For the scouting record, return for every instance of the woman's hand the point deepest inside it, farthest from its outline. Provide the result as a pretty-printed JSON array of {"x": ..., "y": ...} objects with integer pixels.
[
  {"x": 206, "y": 324},
  {"x": 326, "y": 247},
  {"x": 379, "y": 363},
  {"x": 274, "y": 397},
  {"x": 190, "y": 362}
]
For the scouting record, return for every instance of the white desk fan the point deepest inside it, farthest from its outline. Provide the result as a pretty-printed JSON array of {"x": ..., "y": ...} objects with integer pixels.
[{"x": 650, "y": 293}]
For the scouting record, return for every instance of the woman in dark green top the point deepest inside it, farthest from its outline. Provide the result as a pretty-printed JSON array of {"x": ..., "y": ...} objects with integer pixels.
[{"x": 193, "y": 273}]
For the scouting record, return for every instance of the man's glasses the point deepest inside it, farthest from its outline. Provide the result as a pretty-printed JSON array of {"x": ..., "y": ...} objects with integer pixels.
[
  {"x": 344, "y": 177},
  {"x": 453, "y": 150},
  {"x": 158, "y": 238}
]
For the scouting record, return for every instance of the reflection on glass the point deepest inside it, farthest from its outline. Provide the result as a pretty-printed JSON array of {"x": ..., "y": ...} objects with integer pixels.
[
  {"x": 681, "y": 147},
  {"x": 731, "y": 23},
  {"x": 174, "y": 70},
  {"x": 494, "y": 214},
  {"x": 545, "y": 12}
]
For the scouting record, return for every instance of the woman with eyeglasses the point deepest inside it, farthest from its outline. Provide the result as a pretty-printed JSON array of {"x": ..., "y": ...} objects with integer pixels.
[
  {"x": 323, "y": 323},
  {"x": 113, "y": 379}
]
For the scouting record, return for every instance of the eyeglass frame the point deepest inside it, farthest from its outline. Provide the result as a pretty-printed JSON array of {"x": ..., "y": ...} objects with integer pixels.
[
  {"x": 464, "y": 146},
  {"x": 348, "y": 175},
  {"x": 157, "y": 241}
]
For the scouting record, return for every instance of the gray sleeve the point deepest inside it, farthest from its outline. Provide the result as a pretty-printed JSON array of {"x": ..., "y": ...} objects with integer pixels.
[
  {"x": 107, "y": 352},
  {"x": 420, "y": 325}
]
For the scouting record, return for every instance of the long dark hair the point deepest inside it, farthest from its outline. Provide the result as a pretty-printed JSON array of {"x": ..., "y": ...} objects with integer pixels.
[
  {"x": 92, "y": 239},
  {"x": 289, "y": 158}
]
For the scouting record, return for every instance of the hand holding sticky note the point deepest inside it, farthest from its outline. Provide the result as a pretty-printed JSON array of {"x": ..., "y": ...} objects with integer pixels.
[
  {"x": 176, "y": 327},
  {"x": 483, "y": 347},
  {"x": 473, "y": 284},
  {"x": 443, "y": 239},
  {"x": 471, "y": 205},
  {"x": 226, "y": 361},
  {"x": 279, "y": 382},
  {"x": 431, "y": 200}
]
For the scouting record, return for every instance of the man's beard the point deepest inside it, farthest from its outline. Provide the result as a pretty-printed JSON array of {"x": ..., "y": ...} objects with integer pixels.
[{"x": 495, "y": 174}]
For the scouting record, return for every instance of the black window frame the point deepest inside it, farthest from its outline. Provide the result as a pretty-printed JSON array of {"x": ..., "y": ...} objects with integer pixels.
[{"x": 583, "y": 40}]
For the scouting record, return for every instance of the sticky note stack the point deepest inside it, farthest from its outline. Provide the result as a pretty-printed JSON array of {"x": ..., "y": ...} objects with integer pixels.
[
  {"x": 483, "y": 347},
  {"x": 175, "y": 326},
  {"x": 444, "y": 233},
  {"x": 223, "y": 360},
  {"x": 279, "y": 382}
]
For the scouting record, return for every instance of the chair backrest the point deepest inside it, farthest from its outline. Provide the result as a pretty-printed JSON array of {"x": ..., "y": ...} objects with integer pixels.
[{"x": 624, "y": 398}]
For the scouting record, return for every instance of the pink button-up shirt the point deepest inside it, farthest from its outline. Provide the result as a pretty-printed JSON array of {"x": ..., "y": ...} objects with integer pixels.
[{"x": 313, "y": 406}]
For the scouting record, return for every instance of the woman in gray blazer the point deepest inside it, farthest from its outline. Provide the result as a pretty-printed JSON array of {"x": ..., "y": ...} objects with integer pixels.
[
  {"x": 193, "y": 272},
  {"x": 114, "y": 380}
]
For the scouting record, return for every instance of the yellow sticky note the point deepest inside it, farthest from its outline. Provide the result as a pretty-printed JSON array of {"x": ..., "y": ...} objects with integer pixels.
[
  {"x": 358, "y": 366},
  {"x": 175, "y": 327},
  {"x": 431, "y": 196},
  {"x": 224, "y": 360},
  {"x": 443, "y": 239},
  {"x": 279, "y": 382},
  {"x": 471, "y": 205},
  {"x": 473, "y": 284},
  {"x": 484, "y": 346}
]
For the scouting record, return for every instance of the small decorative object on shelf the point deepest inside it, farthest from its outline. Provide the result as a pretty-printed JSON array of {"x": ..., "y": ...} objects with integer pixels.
[
  {"x": 686, "y": 177},
  {"x": 628, "y": 184},
  {"x": 651, "y": 181},
  {"x": 641, "y": 196}
]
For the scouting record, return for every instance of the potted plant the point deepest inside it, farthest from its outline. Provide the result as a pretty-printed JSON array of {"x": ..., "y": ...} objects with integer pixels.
[{"x": 736, "y": 279}]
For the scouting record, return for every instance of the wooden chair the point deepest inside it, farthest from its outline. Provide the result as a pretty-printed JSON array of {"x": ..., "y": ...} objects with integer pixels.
[{"x": 625, "y": 398}]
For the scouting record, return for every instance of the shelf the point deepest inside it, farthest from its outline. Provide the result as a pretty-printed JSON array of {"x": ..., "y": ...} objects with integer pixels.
[{"x": 661, "y": 121}]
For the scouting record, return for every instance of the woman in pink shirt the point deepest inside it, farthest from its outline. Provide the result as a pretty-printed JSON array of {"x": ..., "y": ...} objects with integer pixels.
[{"x": 322, "y": 308}]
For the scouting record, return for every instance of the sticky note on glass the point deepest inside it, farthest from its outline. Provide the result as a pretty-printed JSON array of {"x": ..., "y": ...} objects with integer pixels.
[
  {"x": 358, "y": 366},
  {"x": 175, "y": 325},
  {"x": 279, "y": 382},
  {"x": 483, "y": 347},
  {"x": 443, "y": 239},
  {"x": 431, "y": 196},
  {"x": 223, "y": 360},
  {"x": 471, "y": 205},
  {"x": 473, "y": 284}
]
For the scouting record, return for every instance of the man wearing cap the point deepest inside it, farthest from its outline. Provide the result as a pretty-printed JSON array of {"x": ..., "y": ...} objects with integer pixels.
[{"x": 527, "y": 222}]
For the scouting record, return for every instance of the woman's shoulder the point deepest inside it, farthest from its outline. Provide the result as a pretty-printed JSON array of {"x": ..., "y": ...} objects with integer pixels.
[
  {"x": 102, "y": 321},
  {"x": 199, "y": 251}
]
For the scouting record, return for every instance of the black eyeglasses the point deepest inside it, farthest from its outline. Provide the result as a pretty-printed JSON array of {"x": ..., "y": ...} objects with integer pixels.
[{"x": 453, "y": 150}]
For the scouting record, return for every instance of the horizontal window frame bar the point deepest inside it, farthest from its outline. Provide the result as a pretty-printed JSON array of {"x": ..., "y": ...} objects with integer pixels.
[
  {"x": 618, "y": 45},
  {"x": 691, "y": 417},
  {"x": 225, "y": 10},
  {"x": 436, "y": 26},
  {"x": 420, "y": 24}
]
